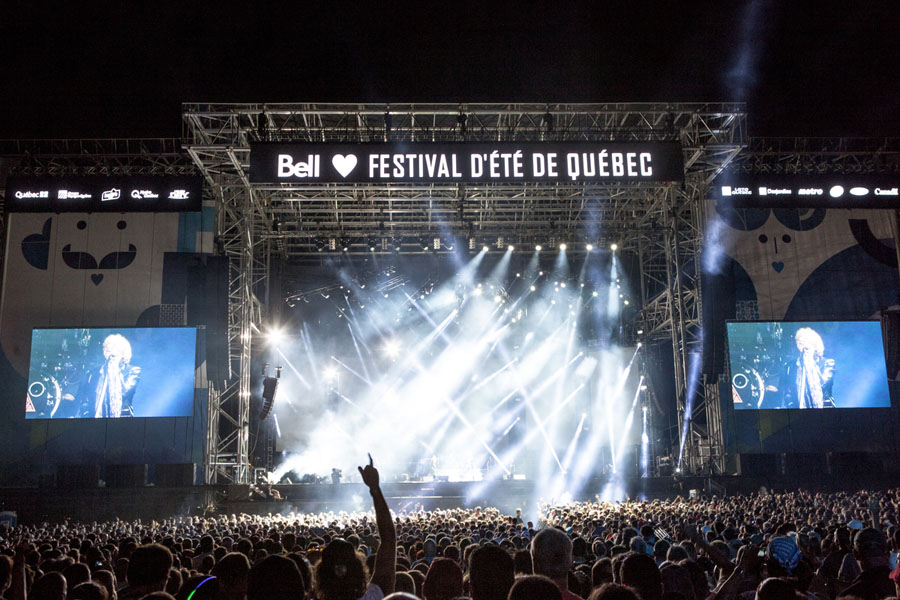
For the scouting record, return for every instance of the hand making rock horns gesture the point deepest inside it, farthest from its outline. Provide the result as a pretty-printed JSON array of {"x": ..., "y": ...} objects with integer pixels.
[{"x": 369, "y": 475}]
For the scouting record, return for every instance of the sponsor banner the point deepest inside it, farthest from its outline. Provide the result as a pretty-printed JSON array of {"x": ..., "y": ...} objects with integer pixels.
[
  {"x": 573, "y": 162},
  {"x": 809, "y": 191},
  {"x": 104, "y": 194}
]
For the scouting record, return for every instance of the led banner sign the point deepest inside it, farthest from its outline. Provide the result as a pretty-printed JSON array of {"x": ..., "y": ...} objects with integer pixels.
[
  {"x": 808, "y": 191},
  {"x": 174, "y": 193},
  {"x": 573, "y": 162}
]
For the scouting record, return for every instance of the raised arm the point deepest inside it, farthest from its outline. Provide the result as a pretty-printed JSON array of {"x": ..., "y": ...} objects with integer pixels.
[
  {"x": 17, "y": 588},
  {"x": 385, "y": 559},
  {"x": 690, "y": 532}
]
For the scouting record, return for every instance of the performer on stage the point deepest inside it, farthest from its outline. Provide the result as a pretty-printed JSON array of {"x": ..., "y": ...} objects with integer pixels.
[
  {"x": 108, "y": 391},
  {"x": 811, "y": 377}
]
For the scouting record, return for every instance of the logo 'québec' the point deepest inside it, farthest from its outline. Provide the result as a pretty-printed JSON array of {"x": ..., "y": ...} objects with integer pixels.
[{"x": 288, "y": 168}]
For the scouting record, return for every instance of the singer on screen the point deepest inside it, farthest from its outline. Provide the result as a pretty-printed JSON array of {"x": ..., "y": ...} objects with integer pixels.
[
  {"x": 813, "y": 374},
  {"x": 108, "y": 391}
]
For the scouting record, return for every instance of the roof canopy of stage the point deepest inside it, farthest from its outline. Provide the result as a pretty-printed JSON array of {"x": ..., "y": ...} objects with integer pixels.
[{"x": 298, "y": 216}]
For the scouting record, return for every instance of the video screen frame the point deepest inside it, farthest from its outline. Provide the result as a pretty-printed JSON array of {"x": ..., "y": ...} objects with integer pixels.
[
  {"x": 807, "y": 369},
  {"x": 71, "y": 373}
]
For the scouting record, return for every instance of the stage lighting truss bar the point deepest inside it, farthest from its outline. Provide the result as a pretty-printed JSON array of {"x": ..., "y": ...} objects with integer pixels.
[
  {"x": 57, "y": 157},
  {"x": 237, "y": 124}
]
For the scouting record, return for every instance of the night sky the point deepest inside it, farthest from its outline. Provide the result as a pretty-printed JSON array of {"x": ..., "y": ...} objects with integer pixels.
[{"x": 122, "y": 69}]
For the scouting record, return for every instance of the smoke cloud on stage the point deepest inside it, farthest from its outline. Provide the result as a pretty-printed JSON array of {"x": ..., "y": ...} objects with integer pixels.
[{"x": 471, "y": 367}]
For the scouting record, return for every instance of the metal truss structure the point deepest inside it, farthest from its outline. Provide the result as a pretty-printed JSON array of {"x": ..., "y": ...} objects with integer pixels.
[{"x": 661, "y": 223}]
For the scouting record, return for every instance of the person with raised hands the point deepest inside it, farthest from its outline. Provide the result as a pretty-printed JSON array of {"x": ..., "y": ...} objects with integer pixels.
[{"x": 341, "y": 575}]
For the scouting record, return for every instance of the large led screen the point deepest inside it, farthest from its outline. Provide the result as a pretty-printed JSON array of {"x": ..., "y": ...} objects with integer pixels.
[
  {"x": 821, "y": 364},
  {"x": 111, "y": 373}
]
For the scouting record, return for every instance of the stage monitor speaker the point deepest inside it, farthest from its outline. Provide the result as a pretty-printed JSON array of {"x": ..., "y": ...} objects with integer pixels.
[
  {"x": 176, "y": 475},
  {"x": 126, "y": 476},
  {"x": 757, "y": 465},
  {"x": 77, "y": 476}
]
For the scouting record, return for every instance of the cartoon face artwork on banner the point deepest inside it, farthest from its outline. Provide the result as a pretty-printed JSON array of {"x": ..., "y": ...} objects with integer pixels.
[
  {"x": 77, "y": 268},
  {"x": 805, "y": 263}
]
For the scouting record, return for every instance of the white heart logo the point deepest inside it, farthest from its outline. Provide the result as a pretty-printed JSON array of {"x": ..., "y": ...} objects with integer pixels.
[{"x": 344, "y": 164}]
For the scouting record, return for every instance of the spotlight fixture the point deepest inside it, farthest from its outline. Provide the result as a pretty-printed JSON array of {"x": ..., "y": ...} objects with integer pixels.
[
  {"x": 274, "y": 335},
  {"x": 392, "y": 348},
  {"x": 614, "y": 247},
  {"x": 332, "y": 244},
  {"x": 436, "y": 243},
  {"x": 589, "y": 247},
  {"x": 330, "y": 373},
  {"x": 472, "y": 243},
  {"x": 510, "y": 248},
  {"x": 485, "y": 249},
  {"x": 500, "y": 242},
  {"x": 563, "y": 247},
  {"x": 538, "y": 248}
]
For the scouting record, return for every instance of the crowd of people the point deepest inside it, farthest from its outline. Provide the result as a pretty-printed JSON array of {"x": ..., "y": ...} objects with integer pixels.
[{"x": 766, "y": 546}]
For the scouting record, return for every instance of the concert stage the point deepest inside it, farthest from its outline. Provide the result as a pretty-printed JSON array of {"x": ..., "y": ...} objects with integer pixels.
[{"x": 151, "y": 502}]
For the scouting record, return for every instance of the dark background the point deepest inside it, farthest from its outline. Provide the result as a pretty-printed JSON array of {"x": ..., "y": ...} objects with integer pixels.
[{"x": 104, "y": 69}]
